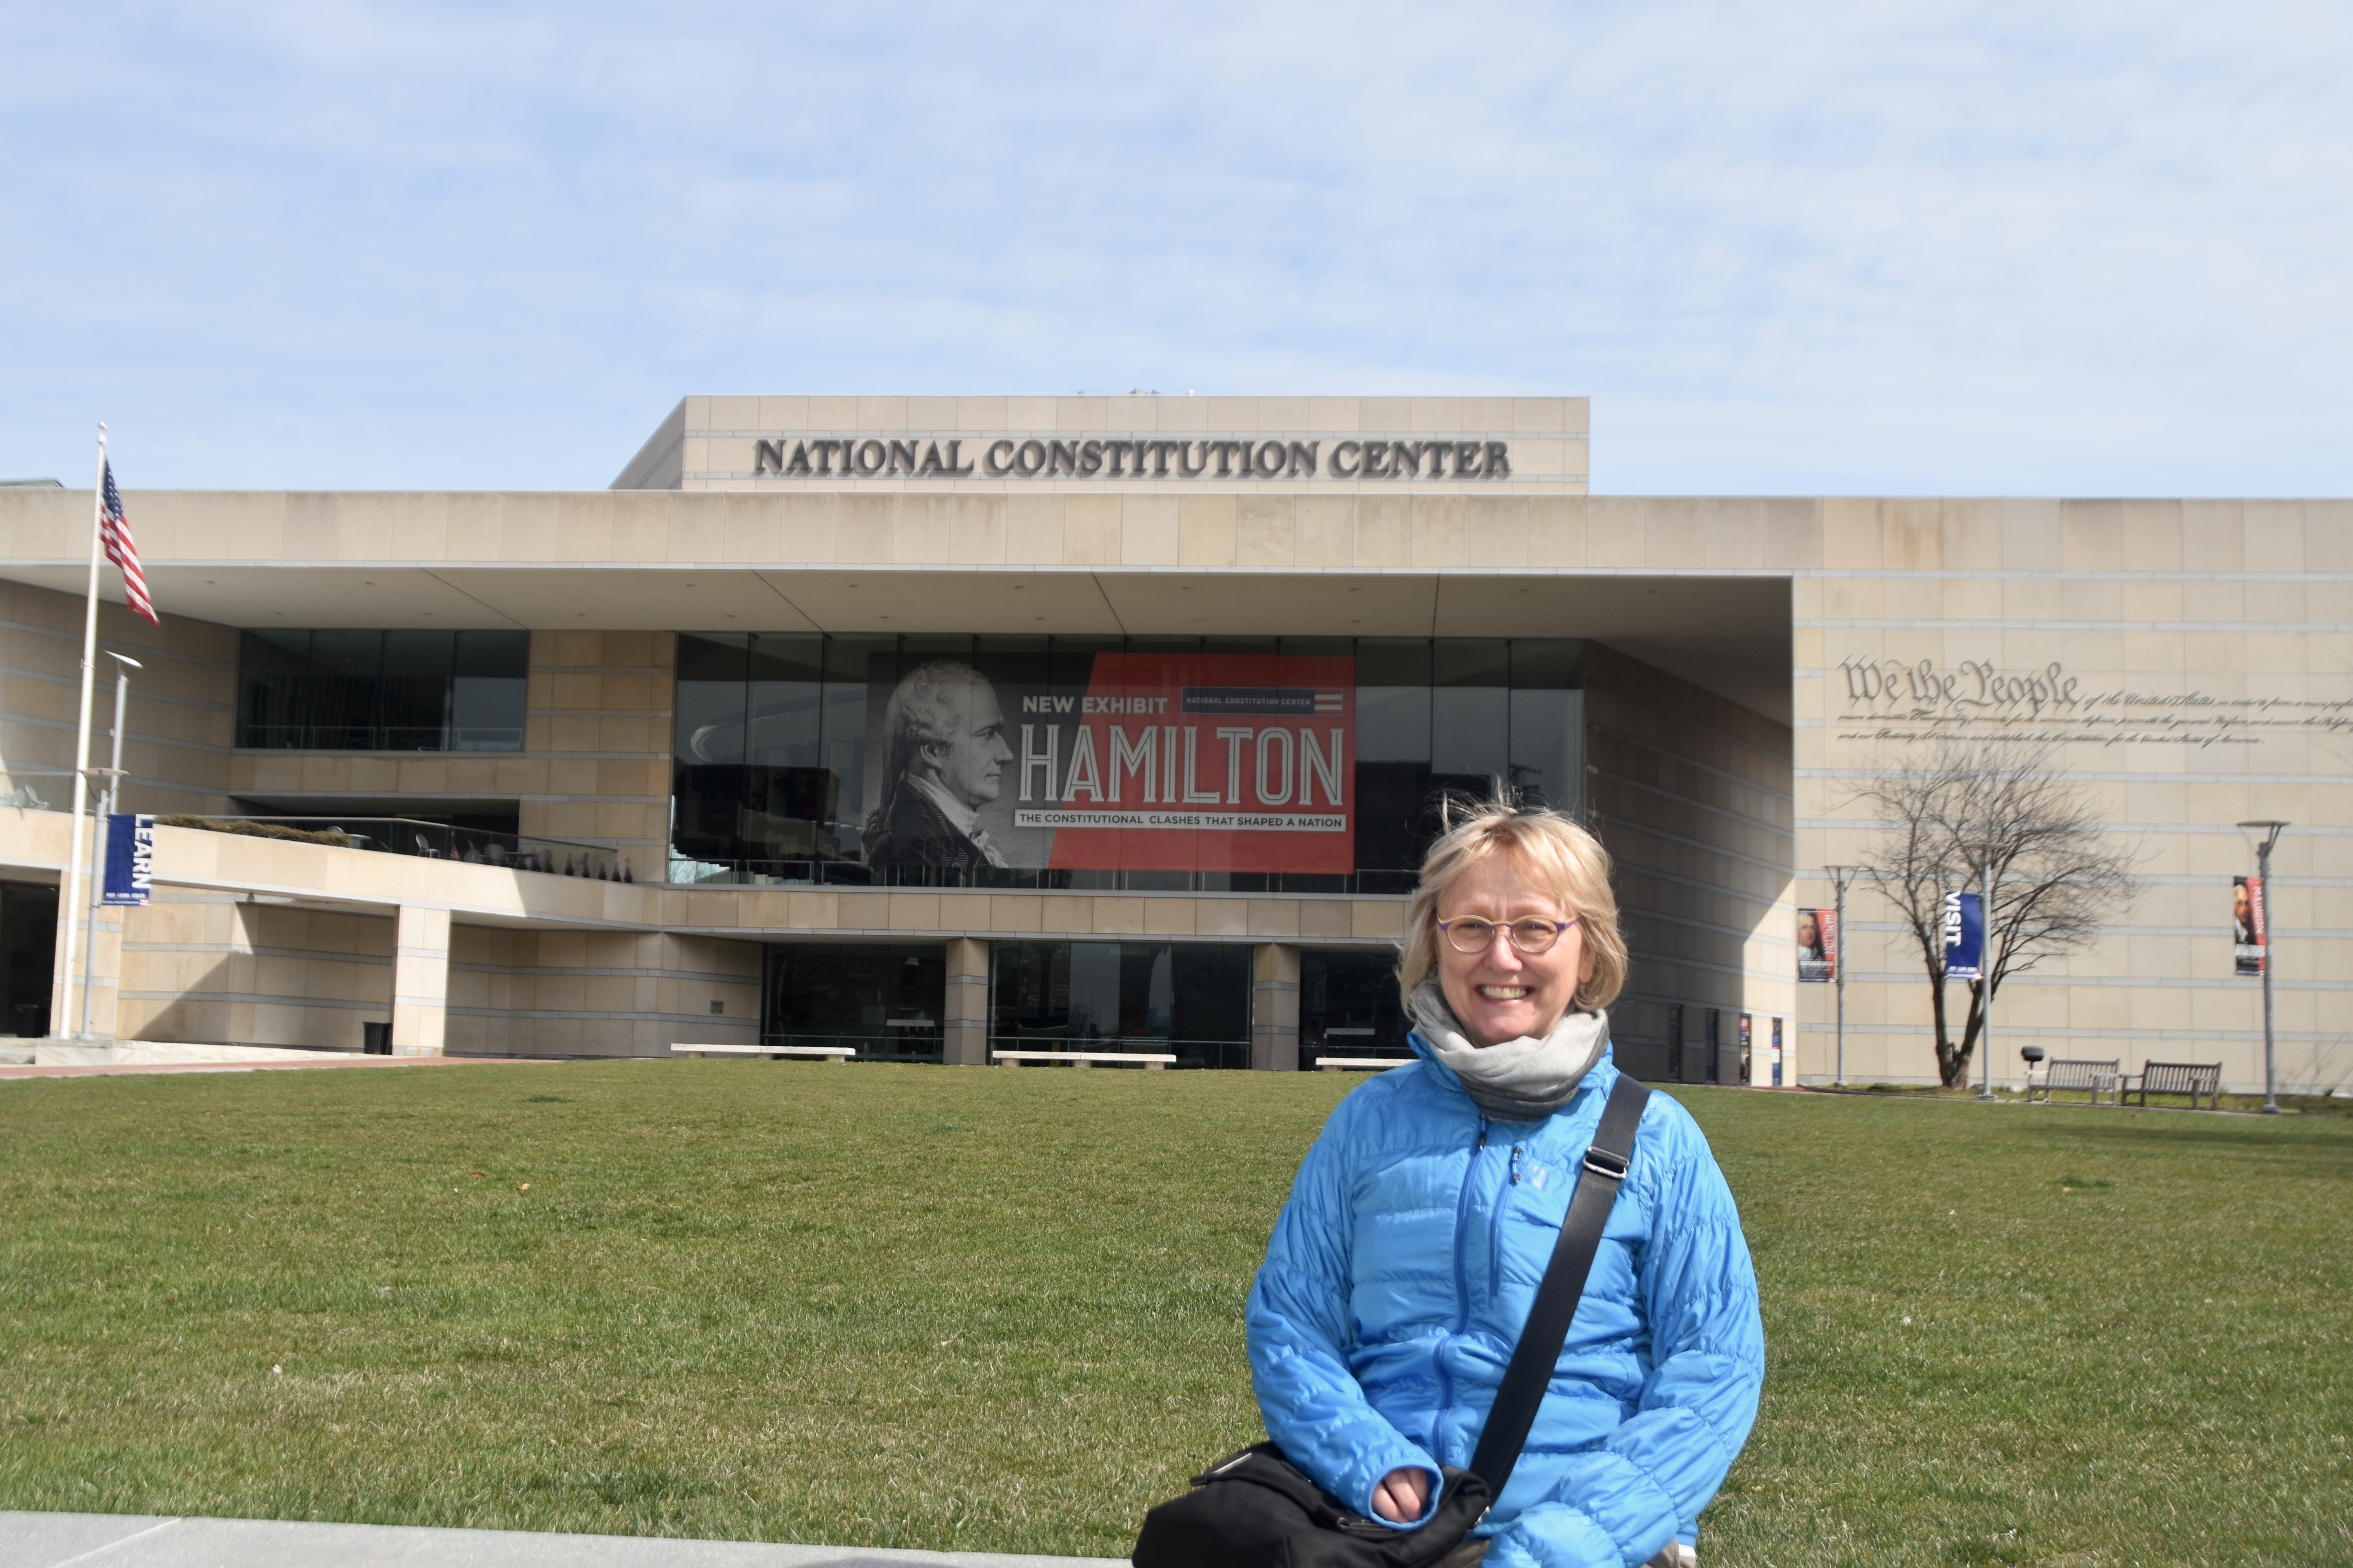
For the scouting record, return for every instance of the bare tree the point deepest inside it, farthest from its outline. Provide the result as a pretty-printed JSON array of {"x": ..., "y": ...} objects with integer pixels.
[{"x": 2057, "y": 879}]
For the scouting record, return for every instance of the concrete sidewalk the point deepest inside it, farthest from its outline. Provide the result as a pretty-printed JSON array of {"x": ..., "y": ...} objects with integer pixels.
[{"x": 117, "y": 1540}]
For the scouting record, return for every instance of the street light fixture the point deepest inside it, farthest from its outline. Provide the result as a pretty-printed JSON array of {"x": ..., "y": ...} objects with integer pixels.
[
  {"x": 2263, "y": 834},
  {"x": 1838, "y": 875},
  {"x": 1984, "y": 851}
]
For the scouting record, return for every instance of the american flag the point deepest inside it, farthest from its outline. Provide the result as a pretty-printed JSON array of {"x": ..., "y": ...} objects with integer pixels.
[{"x": 114, "y": 533}]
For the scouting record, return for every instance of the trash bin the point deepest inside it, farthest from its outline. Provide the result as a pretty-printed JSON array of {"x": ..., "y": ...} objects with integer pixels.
[{"x": 375, "y": 1039}]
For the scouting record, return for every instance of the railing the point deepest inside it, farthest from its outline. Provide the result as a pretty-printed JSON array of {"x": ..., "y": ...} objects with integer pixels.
[
  {"x": 37, "y": 789},
  {"x": 685, "y": 871},
  {"x": 901, "y": 1040},
  {"x": 379, "y": 737},
  {"x": 427, "y": 840}
]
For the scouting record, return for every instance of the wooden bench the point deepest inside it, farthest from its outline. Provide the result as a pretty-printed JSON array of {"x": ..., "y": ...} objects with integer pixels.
[
  {"x": 2076, "y": 1074},
  {"x": 830, "y": 1053},
  {"x": 2192, "y": 1079},
  {"x": 1360, "y": 1064},
  {"x": 1153, "y": 1061}
]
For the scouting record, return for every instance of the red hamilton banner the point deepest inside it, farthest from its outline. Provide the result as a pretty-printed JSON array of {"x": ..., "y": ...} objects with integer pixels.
[{"x": 1202, "y": 762}]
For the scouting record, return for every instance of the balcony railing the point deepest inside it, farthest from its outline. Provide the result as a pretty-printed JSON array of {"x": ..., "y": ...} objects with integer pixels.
[
  {"x": 427, "y": 840},
  {"x": 379, "y": 737},
  {"x": 684, "y": 871},
  {"x": 37, "y": 789}
]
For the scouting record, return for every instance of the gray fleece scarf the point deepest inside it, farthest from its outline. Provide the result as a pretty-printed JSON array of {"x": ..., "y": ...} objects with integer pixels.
[{"x": 1525, "y": 1079}]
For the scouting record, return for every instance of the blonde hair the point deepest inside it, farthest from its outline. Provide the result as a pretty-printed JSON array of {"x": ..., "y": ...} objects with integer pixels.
[{"x": 1564, "y": 857}]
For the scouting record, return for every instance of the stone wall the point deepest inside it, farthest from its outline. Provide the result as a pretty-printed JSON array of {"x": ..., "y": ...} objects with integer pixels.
[{"x": 1691, "y": 795}]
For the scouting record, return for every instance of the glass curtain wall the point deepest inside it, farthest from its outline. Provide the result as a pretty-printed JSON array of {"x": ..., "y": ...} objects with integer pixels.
[
  {"x": 885, "y": 998},
  {"x": 382, "y": 690},
  {"x": 1349, "y": 1007},
  {"x": 777, "y": 736},
  {"x": 1190, "y": 999}
]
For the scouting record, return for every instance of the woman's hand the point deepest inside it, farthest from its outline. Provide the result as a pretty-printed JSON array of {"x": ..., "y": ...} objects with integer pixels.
[{"x": 1402, "y": 1495}]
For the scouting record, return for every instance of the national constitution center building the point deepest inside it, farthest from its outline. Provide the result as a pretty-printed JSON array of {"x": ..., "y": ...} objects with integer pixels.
[{"x": 924, "y": 728}]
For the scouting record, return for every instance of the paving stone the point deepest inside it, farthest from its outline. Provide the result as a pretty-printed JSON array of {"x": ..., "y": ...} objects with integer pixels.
[{"x": 117, "y": 1540}]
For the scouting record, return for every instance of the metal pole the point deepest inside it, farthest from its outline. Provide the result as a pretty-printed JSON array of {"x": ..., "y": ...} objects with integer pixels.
[
  {"x": 72, "y": 902},
  {"x": 1985, "y": 971},
  {"x": 2270, "y": 828},
  {"x": 123, "y": 665},
  {"x": 1838, "y": 898},
  {"x": 2271, "y": 925}
]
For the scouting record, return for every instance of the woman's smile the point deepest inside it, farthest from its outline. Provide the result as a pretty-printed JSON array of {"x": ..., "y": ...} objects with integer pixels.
[{"x": 1500, "y": 992}]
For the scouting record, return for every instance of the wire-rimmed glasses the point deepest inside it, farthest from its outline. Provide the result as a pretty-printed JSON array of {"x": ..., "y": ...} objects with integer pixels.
[{"x": 1468, "y": 933}]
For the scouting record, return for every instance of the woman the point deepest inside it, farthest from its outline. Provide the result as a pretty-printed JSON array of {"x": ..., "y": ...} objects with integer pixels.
[{"x": 1405, "y": 1262}]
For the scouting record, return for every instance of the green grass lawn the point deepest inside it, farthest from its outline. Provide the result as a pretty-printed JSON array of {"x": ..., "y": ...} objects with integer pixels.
[{"x": 1002, "y": 1310}]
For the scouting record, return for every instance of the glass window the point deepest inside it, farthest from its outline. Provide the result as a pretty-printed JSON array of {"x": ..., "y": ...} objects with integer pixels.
[
  {"x": 708, "y": 783},
  {"x": 789, "y": 799},
  {"x": 1348, "y": 1004},
  {"x": 1470, "y": 714},
  {"x": 490, "y": 690},
  {"x": 853, "y": 666},
  {"x": 1191, "y": 999},
  {"x": 886, "y": 998},
  {"x": 413, "y": 691},
  {"x": 783, "y": 733},
  {"x": 1548, "y": 723},
  {"x": 382, "y": 691}
]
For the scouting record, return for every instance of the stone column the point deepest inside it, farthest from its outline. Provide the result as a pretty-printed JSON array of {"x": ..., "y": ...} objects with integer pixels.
[
  {"x": 1274, "y": 1008},
  {"x": 965, "y": 1024},
  {"x": 420, "y": 981}
]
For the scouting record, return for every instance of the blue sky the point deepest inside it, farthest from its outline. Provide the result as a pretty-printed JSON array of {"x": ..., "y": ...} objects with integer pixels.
[{"x": 1912, "y": 248}]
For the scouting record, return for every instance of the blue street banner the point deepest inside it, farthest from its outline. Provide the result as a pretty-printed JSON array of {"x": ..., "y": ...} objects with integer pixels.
[
  {"x": 1964, "y": 937},
  {"x": 130, "y": 858}
]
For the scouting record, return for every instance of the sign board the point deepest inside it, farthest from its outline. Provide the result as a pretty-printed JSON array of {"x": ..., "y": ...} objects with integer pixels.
[
  {"x": 2250, "y": 925},
  {"x": 1964, "y": 937},
  {"x": 1818, "y": 939},
  {"x": 130, "y": 859},
  {"x": 1154, "y": 762}
]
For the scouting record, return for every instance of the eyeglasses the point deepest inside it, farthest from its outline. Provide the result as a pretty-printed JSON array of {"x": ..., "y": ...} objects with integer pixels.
[{"x": 1529, "y": 936}]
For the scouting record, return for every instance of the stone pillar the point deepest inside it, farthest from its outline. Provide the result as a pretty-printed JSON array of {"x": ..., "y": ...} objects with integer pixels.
[
  {"x": 1274, "y": 1008},
  {"x": 964, "y": 1026},
  {"x": 420, "y": 981}
]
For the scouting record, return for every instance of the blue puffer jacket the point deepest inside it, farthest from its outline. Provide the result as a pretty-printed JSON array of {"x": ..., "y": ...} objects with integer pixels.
[{"x": 1403, "y": 1267}]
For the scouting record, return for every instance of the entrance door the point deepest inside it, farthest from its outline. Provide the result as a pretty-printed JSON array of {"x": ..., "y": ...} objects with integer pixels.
[{"x": 28, "y": 956}]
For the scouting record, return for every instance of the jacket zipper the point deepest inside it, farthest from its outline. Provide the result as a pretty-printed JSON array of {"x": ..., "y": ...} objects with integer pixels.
[
  {"x": 1495, "y": 1226},
  {"x": 1462, "y": 1277}
]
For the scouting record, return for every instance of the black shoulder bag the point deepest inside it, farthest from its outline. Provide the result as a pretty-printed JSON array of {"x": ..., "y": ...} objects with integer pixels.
[{"x": 1257, "y": 1510}]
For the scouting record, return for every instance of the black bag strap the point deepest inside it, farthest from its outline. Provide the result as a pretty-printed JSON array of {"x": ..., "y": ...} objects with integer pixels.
[{"x": 1522, "y": 1390}]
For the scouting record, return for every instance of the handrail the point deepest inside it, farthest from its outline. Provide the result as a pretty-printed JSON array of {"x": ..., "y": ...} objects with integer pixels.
[{"x": 426, "y": 840}]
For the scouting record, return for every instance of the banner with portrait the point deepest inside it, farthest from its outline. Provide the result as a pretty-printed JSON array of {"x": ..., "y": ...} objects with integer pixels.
[
  {"x": 1817, "y": 938},
  {"x": 1134, "y": 761},
  {"x": 2250, "y": 925}
]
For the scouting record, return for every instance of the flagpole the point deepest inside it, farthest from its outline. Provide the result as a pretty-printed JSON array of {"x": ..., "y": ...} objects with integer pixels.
[{"x": 82, "y": 743}]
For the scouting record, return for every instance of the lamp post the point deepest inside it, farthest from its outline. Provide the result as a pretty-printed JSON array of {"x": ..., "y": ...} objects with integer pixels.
[
  {"x": 1838, "y": 875},
  {"x": 2263, "y": 834},
  {"x": 1984, "y": 850},
  {"x": 124, "y": 663}
]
